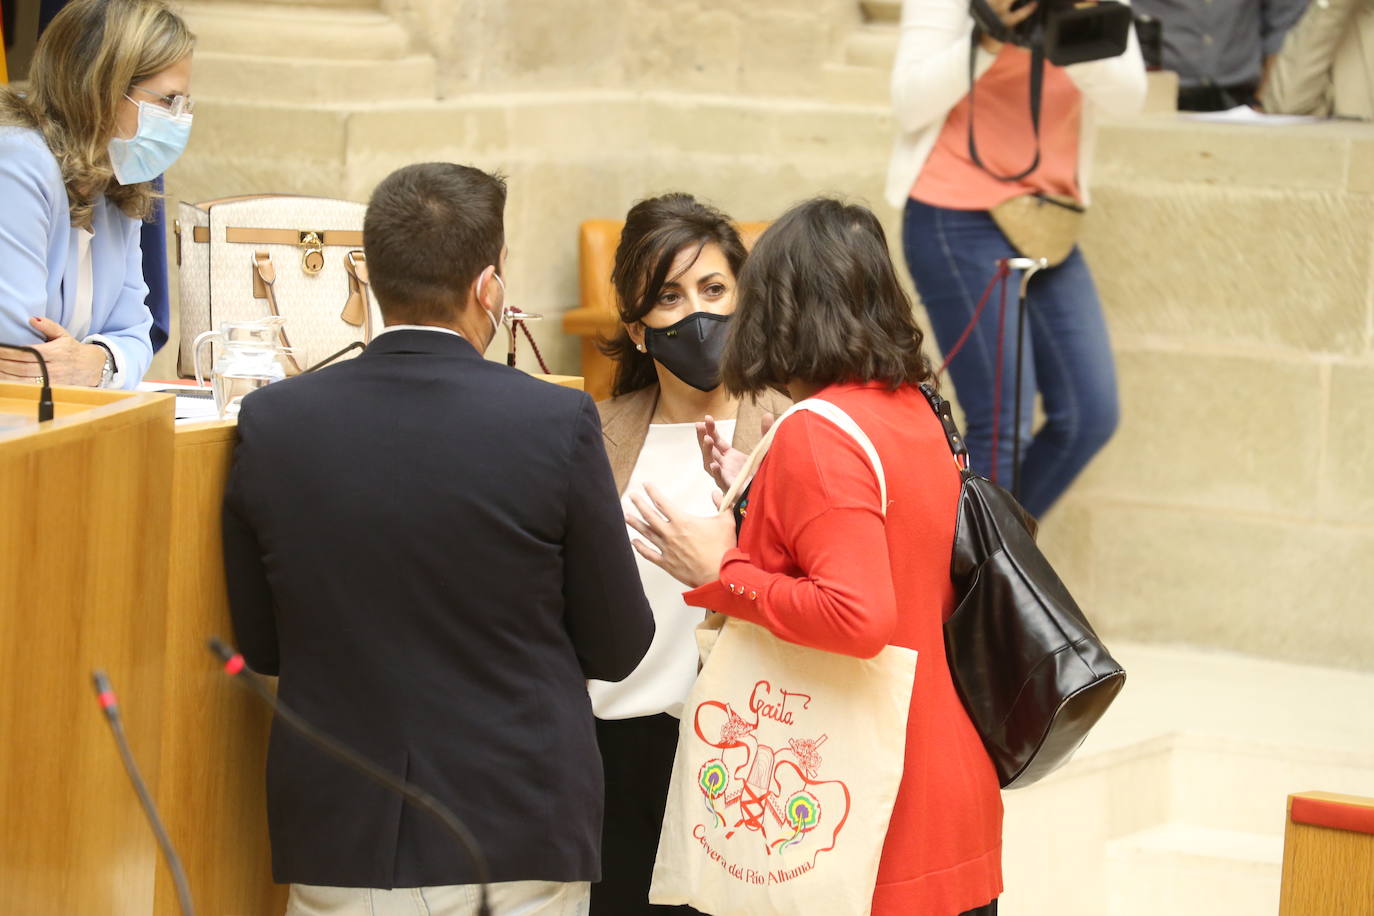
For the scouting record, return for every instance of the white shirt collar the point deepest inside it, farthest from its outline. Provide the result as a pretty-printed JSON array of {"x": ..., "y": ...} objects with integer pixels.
[{"x": 415, "y": 327}]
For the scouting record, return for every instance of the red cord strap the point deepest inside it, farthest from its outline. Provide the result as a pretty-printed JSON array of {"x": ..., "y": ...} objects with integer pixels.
[
  {"x": 1003, "y": 271},
  {"x": 543, "y": 366},
  {"x": 1001, "y": 276}
]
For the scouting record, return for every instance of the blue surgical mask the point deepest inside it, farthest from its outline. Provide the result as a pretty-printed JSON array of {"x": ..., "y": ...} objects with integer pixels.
[{"x": 160, "y": 139}]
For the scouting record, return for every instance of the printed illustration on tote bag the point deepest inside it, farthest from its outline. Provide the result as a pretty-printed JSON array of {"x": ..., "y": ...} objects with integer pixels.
[{"x": 767, "y": 785}]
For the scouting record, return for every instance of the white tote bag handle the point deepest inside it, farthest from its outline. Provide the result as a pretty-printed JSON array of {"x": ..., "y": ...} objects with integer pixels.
[{"x": 835, "y": 415}]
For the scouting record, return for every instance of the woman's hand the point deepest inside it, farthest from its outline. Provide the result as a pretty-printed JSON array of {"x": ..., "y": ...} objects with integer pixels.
[
  {"x": 719, "y": 460},
  {"x": 1010, "y": 18},
  {"x": 69, "y": 361},
  {"x": 687, "y": 547}
]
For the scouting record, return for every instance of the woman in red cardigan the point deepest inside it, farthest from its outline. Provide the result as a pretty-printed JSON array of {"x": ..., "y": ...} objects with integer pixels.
[{"x": 820, "y": 312}]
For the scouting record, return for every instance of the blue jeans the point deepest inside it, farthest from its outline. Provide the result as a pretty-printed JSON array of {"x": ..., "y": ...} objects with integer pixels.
[{"x": 1066, "y": 356}]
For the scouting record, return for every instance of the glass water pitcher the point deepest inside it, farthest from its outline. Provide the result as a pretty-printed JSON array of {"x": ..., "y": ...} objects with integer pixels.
[{"x": 251, "y": 355}]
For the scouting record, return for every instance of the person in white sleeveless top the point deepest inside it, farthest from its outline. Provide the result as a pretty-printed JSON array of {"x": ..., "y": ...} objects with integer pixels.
[
  {"x": 106, "y": 112},
  {"x": 674, "y": 277}
]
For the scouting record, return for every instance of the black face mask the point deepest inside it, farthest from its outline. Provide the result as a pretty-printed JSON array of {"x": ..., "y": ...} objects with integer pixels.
[{"x": 691, "y": 348}]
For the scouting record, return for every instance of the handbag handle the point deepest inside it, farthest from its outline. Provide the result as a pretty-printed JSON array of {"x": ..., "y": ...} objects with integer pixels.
[
  {"x": 264, "y": 287},
  {"x": 836, "y": 415},
  {"x": 946, "y": 416},
  {"x": 356, "y": 311}
]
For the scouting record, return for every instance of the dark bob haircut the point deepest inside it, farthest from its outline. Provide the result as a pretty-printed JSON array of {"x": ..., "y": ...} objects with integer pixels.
[
  {"x": 656, "y": 230},
  {"x": 818, "y": 301}
]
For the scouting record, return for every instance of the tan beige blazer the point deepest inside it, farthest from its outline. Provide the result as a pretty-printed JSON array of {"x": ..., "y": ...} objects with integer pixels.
[{"x": 625, "y": 425}]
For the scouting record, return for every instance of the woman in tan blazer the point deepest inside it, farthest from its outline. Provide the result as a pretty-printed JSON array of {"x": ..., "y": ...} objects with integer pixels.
[{"x": 674, "y": 276}]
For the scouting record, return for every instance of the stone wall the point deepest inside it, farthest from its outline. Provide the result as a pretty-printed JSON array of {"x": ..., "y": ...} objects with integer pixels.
[
  {"x": 755, "y": 47},
  {"x": 1232, "y": 510},
  {"x": 1235, "y": 264}
]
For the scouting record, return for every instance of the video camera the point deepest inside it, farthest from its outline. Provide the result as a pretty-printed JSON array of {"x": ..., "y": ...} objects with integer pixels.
[{"x": 1069, "y": 31}]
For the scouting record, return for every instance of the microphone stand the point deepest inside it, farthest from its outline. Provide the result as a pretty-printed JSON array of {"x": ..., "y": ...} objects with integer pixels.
[
  {"x": 45, "y": 393},
  {"x": 235, "y": 667},
  {"x": 514, "y": 320},
  {"x": 1030, "y": 266},
  {"x": 108, "y": 702}
]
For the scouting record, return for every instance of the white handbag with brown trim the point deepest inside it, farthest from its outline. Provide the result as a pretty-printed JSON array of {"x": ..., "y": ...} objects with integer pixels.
[{"x": 300, "y": 258}]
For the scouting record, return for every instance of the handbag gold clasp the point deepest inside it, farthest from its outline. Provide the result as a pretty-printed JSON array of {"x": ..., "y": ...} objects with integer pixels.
[{"x": 312, "y": 261}]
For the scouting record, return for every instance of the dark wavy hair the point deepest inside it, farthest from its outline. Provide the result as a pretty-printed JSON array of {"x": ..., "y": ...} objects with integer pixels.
[
  {"x": 819, "y": 301},
  {"x": 656, "y": 230}
]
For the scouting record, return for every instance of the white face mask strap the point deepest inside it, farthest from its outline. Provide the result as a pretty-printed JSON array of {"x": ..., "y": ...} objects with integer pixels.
[
  {"x": 483, "y": 276},
  {"x": 495, "y": 321}
]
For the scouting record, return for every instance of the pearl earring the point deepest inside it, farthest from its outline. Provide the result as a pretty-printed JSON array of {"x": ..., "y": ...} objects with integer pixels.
[{"x": 640, "y": 348}]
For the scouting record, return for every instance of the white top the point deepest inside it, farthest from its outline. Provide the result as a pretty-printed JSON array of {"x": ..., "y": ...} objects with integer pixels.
[
  {"x": 671, "y": 461},
  {"x": 80, "y": 326},
  {"x": 930, "y": 77}
]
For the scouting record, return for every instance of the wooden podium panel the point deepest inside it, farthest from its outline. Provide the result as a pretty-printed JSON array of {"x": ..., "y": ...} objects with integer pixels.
[
  {"x": 214, "y": 735},
  {"x": 1328, "y": 856},
  {"x": 84, "y": 521}
]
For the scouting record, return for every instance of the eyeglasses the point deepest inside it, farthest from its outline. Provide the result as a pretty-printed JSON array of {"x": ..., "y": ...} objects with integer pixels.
[{"x": 177, "y": 103}]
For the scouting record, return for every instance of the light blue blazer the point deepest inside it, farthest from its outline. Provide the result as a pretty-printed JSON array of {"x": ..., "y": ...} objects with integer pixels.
[{"x": 39, "y": 260}]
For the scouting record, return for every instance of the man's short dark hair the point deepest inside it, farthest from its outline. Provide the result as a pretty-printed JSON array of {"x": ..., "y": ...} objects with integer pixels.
[
  {"x": 818, "y": 301},
  {"x": 430, "y": 230}
]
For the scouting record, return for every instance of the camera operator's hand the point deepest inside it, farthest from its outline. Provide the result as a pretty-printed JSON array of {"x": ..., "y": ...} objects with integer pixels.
[{"x": 1011, "y": 18}]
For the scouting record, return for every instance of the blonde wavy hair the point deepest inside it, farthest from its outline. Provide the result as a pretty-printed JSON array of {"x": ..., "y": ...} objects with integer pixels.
[{"x": 85, "y": 62}]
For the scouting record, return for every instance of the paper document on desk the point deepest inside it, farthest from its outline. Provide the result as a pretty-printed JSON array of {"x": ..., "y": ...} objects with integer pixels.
[
  {"x": 1244, "y": 114},
  {"x": 194, "y": 402}
]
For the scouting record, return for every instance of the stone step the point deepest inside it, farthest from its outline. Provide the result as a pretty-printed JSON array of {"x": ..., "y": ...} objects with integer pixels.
[
  {"x": 863, "y": 85},
  {"x": 1184, "y": 870},
  {"x": 296, "y": 31},
  {"x": 241, "y": 77},
  {"x": 881, "y": 10},
  {"x": 872, "y": 46}
]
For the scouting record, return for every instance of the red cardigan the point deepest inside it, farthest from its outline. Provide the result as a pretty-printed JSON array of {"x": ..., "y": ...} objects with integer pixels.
[{"x": 828, "y": 573}]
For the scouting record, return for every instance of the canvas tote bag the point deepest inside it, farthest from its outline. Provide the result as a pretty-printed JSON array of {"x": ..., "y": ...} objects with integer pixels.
[
  {"x": 788, "y": 763},
  {"x": 299, "y": 258}
]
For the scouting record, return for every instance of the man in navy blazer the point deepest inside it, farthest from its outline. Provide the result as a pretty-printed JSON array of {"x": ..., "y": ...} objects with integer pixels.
[{"x": 427, "y": 548}]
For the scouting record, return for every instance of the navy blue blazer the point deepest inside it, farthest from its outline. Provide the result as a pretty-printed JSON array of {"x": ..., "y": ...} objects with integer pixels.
[{"x": 428, "y": 549}]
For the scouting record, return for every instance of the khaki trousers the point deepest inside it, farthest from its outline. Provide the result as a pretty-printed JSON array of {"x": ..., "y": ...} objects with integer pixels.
[{"x": 510, "y": 898}]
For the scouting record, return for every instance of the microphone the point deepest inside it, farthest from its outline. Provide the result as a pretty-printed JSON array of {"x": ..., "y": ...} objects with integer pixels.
[
  {"x": 235, "y": 667},
  {"x": 44, "y": 395},
  {"x": 108, "y": 702}
]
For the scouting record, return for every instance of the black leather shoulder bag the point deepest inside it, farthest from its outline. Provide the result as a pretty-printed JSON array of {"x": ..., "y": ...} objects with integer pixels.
[{"x": 1031, "y": 671}]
